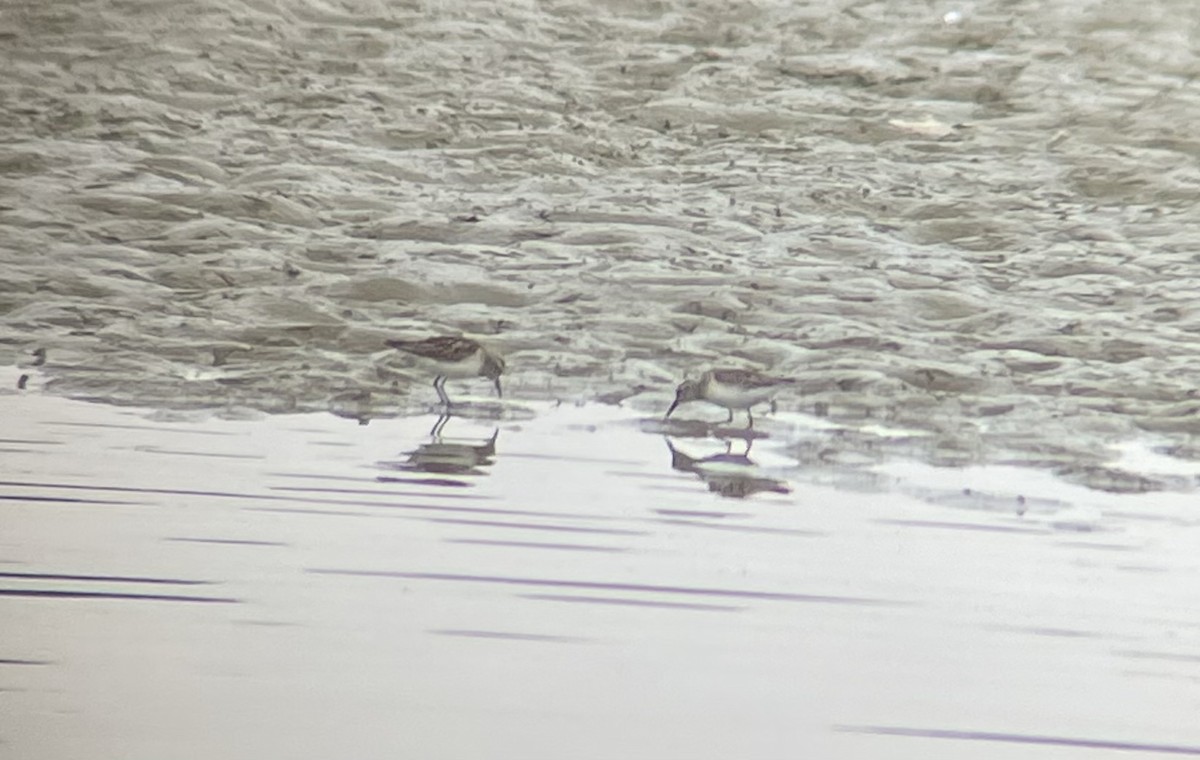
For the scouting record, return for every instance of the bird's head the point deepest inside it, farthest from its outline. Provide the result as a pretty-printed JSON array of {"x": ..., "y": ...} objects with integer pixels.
[{"x": 688, "y": 390}]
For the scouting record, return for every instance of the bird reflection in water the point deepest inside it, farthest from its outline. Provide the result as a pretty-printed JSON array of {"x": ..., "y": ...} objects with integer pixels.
[
  {"x": 455, "y": 456},
  {"x": 732, "y": 475}
]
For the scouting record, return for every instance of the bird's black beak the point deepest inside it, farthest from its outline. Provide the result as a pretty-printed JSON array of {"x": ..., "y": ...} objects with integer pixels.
[{"x": 674, "y": 404}]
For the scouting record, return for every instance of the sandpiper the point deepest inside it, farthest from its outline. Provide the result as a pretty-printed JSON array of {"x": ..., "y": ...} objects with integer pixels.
[
  {"x": 730, "y": 388},
  {"x": 454, "y": 358}
]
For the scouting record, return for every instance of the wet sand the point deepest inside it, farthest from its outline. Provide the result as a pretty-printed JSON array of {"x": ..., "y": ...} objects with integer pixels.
[
  {"x": 981, "y": 225},
  {"x": 558, "y": 582}
]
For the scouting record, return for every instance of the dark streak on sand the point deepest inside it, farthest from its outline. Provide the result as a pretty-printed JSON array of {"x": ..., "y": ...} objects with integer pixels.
[
  {"x": 224, "y": 541},
  {"x": 632, "y": 602},
  {"x": 59, "y": 594},
  {"x": 102, "y": 578},
  {"x": 773, "y": 596},
  {"x": 538, "y": 526},
  {"x": 536, "y": 545},
  {"x": 63, "y": 500},
  {"x": 505, "y": 635},
  {"x": 990, "y": 736}
]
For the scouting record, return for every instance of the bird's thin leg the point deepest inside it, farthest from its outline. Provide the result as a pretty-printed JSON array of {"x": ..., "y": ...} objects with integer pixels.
[
  {"x": 729, "y": 419},
  {"x": 439, "y": 385},
  {"x": 436, "y": 431},
  {"x": 749, "y": 419}
]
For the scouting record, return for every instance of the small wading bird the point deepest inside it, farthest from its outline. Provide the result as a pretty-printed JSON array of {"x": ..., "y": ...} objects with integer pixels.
[
  {"x": 730, "y": 388},
  {"x": 454, "y": 358}
]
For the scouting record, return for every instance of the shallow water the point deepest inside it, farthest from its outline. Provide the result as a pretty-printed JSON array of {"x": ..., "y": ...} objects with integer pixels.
[
  {"x": 981, "y": 226},
  {"x": 559, "y": 581},
  {"x": 969, "y": 231}
]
